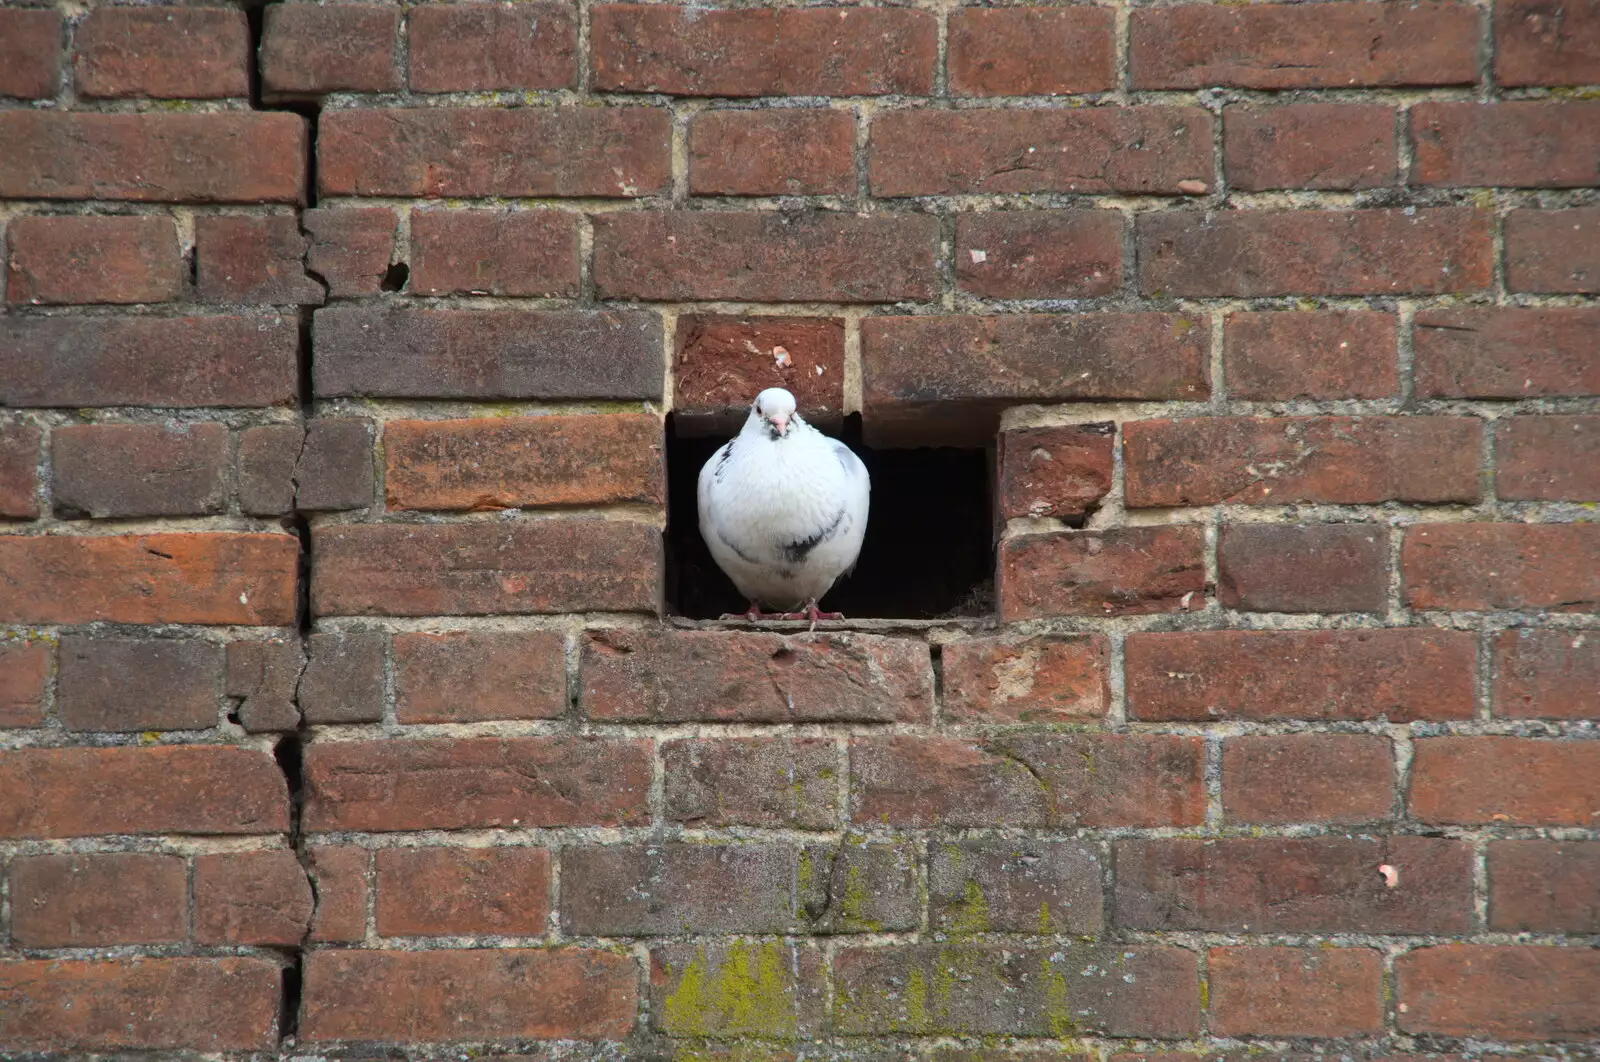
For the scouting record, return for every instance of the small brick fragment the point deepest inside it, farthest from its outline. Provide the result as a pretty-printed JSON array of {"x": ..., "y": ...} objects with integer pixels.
[
  {"x": 162, "y": 52},
  {"x": 737, "y": 989},
  {"x": 313, "y": 49},
  {"x": 1054, "y": 472},
  {"x": 253, "y": 259},
  {"x": 343, "y": 681},
  {"x": 1039, "y": 254},
  {"x": 722, "y": 362},
  {"x": 1482, "y": 566},
  {"x": 489, "y": 48},
  {"x": 1014, "y": 886},
  {"x": 791, "y": 151},
  {"x": 1538, "y": 42},
  {"x": 19, "y": 471},
  {"x": 494, "y": 252},
  {"x": 1516, "y": 781},
  {"x": 1295, "y": 991},
  {"x": 92, "y": 900},
  {"x": 92, "y": 259},
  {"x": 1544, "y": 886},
  {"x": 472, "y": 676},
  {"x": 260, "y": 898},
  {"x": 1548, "y": 458},
  {"x": 25, "y": 668},
  {"x": 1276, "y": 356},
  {"x": 105, "y": 470},
  {"x": 781, "y": 783},
  {"x": 137, "y": 684},
  {"x": 339, "y": 875},
  {"x": 1553, "y": 250},
  {"x": 1340, "y": 778},
  {"x": 1507, "y": 353},
  {"x": 1503, "y": 993},
  {"x": 30, "y": 52},
  {"x": 350, "y": 247},
  {"x": 461, "y": 891},
  {"x": 1515, "y": 143},
  {"x": 1303, "y": 567},
  {"x": 1334, "y": 146},
  {"x": 1117, "y": 572},
  {"x": 1042, "y": 679},
  {"x": 1546, "y": 674},
  {"x": 264, "y": 676},
  {"x": 334, "y": 470},
  {"x": 267, "y": 458},
  {"x": 1031, "y": 51}
]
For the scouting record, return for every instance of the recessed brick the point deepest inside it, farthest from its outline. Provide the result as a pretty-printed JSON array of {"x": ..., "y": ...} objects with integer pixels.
[
  {"x": 92, "y": 900},
  {"x": 252, "y": 259},
  {"x": 1544, "y": 886},
  {"x": 137, "y": 684},
  {"x": 1343, "y": 778},
  {"x": 1548, "y": 458},
  {"x": 1336, "y": 146},
  {"x": 1303, "y": 567},
  {"x": 760, "y": 781},
  {"x": 259, "y": 898},
  {"x": 489, "y": 48},
  {"x": 343, "y": 680},
  {"x": 1276, "y": 356},
  {"x": 92, "y": 259},
  {"x": 1507, "y": 353},
  {"x": 312, "y": 49},
  {"x": 19, "y": 471},
  {"x": 792, "y": 151},
  {"x": 1517, "y": 143},
  {"x": 460, "y": 891},
  {"x": 1553, "y": 250},
  {"x": 339, "y": 873},
  {"x": 1538, "y": 42},
  {"x": 1042, "y": 679},
  {"x": 1128, "y": 571},
  {"x": 473, "y": 676},
  {"x": 162, "y": 52},
  {"x": 1295, "y": 991},
  {"x": 494, "y": 252},
  {"x": 1482, "y": 566},
  {"x": 30, "y": 52},
  {"x": 106, "y": 470},
  {"x": 1039, "y": 254},
  {"x": 1031, "y": 51},
  {"x": 1547, "y": 674},
  {"x": 722, "y": 362},
  {"x": 1517, "y": 781},
  {"x": 350, "y": 247},
  {"x": 1504, "y": 993},
  {"x": 25, "y": 668},
  {"x": 1014, "y": 885}
]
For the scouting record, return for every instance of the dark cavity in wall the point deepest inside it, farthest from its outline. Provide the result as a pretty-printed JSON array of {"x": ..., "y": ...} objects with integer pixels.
[{"x": 928, "y": 552}]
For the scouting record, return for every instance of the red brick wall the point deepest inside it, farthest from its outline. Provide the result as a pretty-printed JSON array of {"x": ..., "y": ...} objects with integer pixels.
[{"x": 336, "y": 705}]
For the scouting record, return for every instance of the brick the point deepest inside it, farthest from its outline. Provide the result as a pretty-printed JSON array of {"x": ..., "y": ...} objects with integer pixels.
[
  {"x": 782, "y": 782},
  {"x": 1276, "y": 356},
  {"x": 162, "y": 52},
  {"x": 460, "y": 891},
  {"x": 1295, "y": 991},
  {"x": 722, "y": 362},
  {"x": 772, "y": 152},
  {"x": 395, "y": 352},
  {"x": 343, "y": 680},
  {"x": 1041, "y": 679},
  {"x": 1286, "y": 46},
  {"x": 1130, "y": 571},
  {"x": 1334, "y": 146},
  {"x": 479, "y": 783},
  {"x": 1060, "y": 472},
  {"x": 1547, "y": 42},
  {"x": 1548, "y": 458},
  {"x": 451, "y": 996},
  {"x": 1016, "y": 885},
  {"x": 83, "y": 900},
  {"x": 494, "y": 252},
  {"x": 222, "y": 1004},
  {"x": 30, "y": 52},
  {"x": 148, "y": 361},
  {"x": 1481, "y": 566},
  {"x": 350, "y": 247},
  {"x": 1501, "y": 993},
  {"x": 477, "y": 676},
  {"x": 93, "y": 259},
  {"x": 308, "y": 49},
  {"x": 1039, "y": 254},
  {"x": 737, "y": 989},
  {"x": 1337, "y": 252},
  {"x": 267, "y": 457},
  {"x": 25, "y": 668},
  {"x": 1507, "y": 353},
  {"x": 222, "y": 578},
  {"x": 482, "y": 48},
  {"x": 251, "y": 898},
  {"x": 1553, "y": 250},
  {"x": 936, "y": 989},
  {"x": 1396, "y": 675},
  {"x": 106, "y": 470},
  {"x": 19, "y": 471},
  {"x": 845, "y": 51},
  {"x": 138, "y": 684},
  {"x": 252, "y": 259},
  {"x": 1061, "y": 781},
  {"x": 184, "y": 789},
  {"x": 1303, "y": 567},
  {"x": 263, "y": 678},
  {"x": 672, "y": 676},
  {"x": 1294, "y": 885},
  {"x": 471, "y": 569},
  {"x": 1144, "y": 150},
  {"x": 339, "y": 873},
  {"x": 1337, "y": 778},
  {"x": 1518, "y": 781},
  {"x": 218, "y": 157},
  {"x": 1544, "y": 886},
  {"x": 1031, "y": 51},
  {"x": 1546, "y": 674},
  {"x": 1520, "y": 143},
  {"x": 440, "y": 153},
  {"x": 334, "y": 469}
]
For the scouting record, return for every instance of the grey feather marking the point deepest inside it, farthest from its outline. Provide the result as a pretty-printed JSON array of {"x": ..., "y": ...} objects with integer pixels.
[
  {"x": 796, "y": 551},
  {"x": 741, "y": 553}
]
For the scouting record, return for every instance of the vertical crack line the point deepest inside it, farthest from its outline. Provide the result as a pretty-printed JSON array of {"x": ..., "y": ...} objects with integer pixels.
[{"x": 255, "y": 17}]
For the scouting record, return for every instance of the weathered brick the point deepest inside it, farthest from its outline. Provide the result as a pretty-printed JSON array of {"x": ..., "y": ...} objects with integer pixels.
[
  {"x": 343, "y": 680},
  {"x": 30, "y": 52},
  {"x": 737, "y": 989},
  {"x": 350, "y": 247},
  {"x": 312, "y": 49},
  {"x": 479, "y": 994},
  {"x": 1501, "y": 993},
  {"x": 734, "y": 676},
  {"x": 164, "y": 52},
  {"x": 92, "y": 259},
  {"x": 19, "y": 471},
  {"x": 1521, "y": 143},
  {"x": 1294, "y": 885},
  {"x": 790, "y": 151},
  {"x": 722, "y": 362},
  {"x": 494, "y": 252},
  {"x": 488, "y": 48},
  {"x": 844, "y": 51},
  {"x": 1502, "y": 566},
  {"x": 263, "y": 677},
  {"x": 1303, "y": 567},
  {"x": 1295, "y": 991},
  {"x": 449, "y": 784},
  {"x": 1519, "y": 781},
  {"x": 459, "y": 891},
  {"x": 1507, "y": 353},
  {"x": 1544, "y": 886},
  {"x": 136, "y": 684},
  {"x": 1042, "y": 679},
  {"x": 1546, "y": 674},
  {"x": 1016, "y": 885},
  {"x": 339, "y": 873},
  {"x": 854, "y": 887},
  {"x": 1553, "y": 250},
  {"x": 334, "y": 469},
  {"x": 120, "y": 470},
  {"x": 1336, "y": 146},
  {"x": 251, "y": 898},
  {"x": 1340, "y": 778},
  {"x": 25, "y": 668},
  {"x": 84, "y": 900},
  {"x": 1031, "y": 51},
  {"x": 1061, "y": 472},
  {"x": 1039, "y": 254},
  {"x": 778, "y": 782},
  {"x": 1146, "y": 150},
  {"x": 473, "y": 676},
  {"x": 1546, "y": 42},
  {"x": 1275, "y": 356},
  {"x": 1548, "y": 458},
  {"x": 1130, "y": 571},
  {"x": 267, "y": 457},
  {"x": 188, "y": 789},
  {"x": 252, "y": 259}
]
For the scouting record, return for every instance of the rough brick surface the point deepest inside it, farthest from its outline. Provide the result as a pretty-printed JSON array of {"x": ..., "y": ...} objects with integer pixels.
[
  {"x": 1038, "y": 254},
  {"x": 776, "y": 782},
  {"x": 737, "y": 989},
  {"x": 1121, "y": 572},
  {"x": 1310, "y": 145},
  {"x": 458, "y": 891},
  {"x": 1521, "y": 143},
  {"x": 722, "y": 362},
  {"x": 772, "y": 152},
  {"x": 255, "y": 259},
  {"x": 343, "y": 678},
  {"x": 339, "y": 873},
  {"x": 19, "y": 471},
  {"x": 1046, "y": 679},
  {"x": 1545, "y": 886},
  {"x": 92, "y": 259},
  {"x": 137, "y": 684},
  {"x": 494, "y": 252},
  {"x": 1553, "y": 250},
  {"x": 312, "y": 49},
  {"x": 139, "y": 469},
  {"x": 1303, "y": 567},
  {"x": 1546, "y": 674},
  {"x": 251, "y": 898},
  {"x": 479, "y": 48},
  {"x": 1308, "y": 778},
  {"x": 262, "y": 678},
  {"x": 30, "y": 52},
  {"x": 1017, "y": 886},
  {"x": 469, "y": 676},
  {"x": 350, "y": 247},
  {"x": 184, "y": 53},
  {"x": 1509, "y": 993},
  {"x": 1548, "y": 458},
  {"x": 1547, "y": 42},
  {"x": 1321, "y": 354},
  {"x": 1054, "y": 472},
  {"x": 334, "y": 467},
  {"x": 1520, "y": 781},
  {"x": 1031, "y": 51},
  {"x": 1510, "y": 353},
  {"x": 93, "y": 900},
  {"x": 25, "y": 668},
  {"x": 1509, "y": 566},
  {"x": 1295, "y": 991}
]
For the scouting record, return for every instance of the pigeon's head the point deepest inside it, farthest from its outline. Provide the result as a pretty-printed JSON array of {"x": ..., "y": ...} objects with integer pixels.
[{"x": 775, "y": 407}]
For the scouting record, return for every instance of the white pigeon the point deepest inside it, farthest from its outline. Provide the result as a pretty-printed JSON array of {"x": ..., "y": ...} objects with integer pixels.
[{"x": 783, "y": 509}]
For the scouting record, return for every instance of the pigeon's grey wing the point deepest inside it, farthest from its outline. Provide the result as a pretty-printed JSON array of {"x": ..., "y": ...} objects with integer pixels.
[
  {"x": 847, "y": 458},
  {"x": 709, "y": 474}
]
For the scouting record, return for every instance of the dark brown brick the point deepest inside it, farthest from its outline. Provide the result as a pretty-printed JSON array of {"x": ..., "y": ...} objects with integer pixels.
[
  {"x": 92, "y": 259},
  {"x": 1336, "y": 146},
  {"x": 1553, "y": 250},
  {"x": 251, "y": 898},
  {"x": 1481, "y": 566},
  {"x": 1275, "y": 356},
  {"x": 19, "y": 471},
  {"x": 723, "y": 362},
  {"x": 343, "y": 680},
  {"x": 164, "y": 52},
  {"x": 1014, "y": 886},
  {"x": 489, "y": 48},
  {"x": 1303, "y": 567},
  {"x": 30, "y": 52},
  {"x": 312, "y": 49},
  {"x": 772, "y": 152},
  {"x": 267, "y": 457},
  {"x": 122, "y": 470},
  {"x": 1031, "y": 51},
  {"x": 350, "y": 247},
  {"x": 1039, "y": 254},
  {"x": 473, "y": 676},
  {"x": 1501, "y": 993},
  {"x": 494, "y": 252},
  {"x": 334, "y": 469},
  {"x": 25, "y": 668},
  {"x": 339, "y": 873},
  {"x": 1339, "y": 778},
  {"x": 1518, "y": 781},
  {"x": 136, "y": 684},
  {"x": 263, "y": 677},
  {"x": 1295, "y": 991},
  {"x": 1547, "y": 42},
  {"x": 460, "y": 891},
  {"x": 1042, "y": 679},
  {"x": 1548, "y": 458},
  {"x": 759, "y": 781},
  {"x": 1521, "y": 143},
  {"x": 82, "y": 900},
  {"x": 252, "y": 259},
  {"x": 1061, "y": 472},
  {"x": 1544, "y": 886},
  {"x": 1547, "y": 674},
  {"x": 1129, "y": 571},
  {"x": 780, "y": 993},
  {"x": 1507, "y": 353}
]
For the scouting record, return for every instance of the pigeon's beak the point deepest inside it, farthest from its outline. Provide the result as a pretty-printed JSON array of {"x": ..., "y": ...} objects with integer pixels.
[{"x": 780, "y": 423}]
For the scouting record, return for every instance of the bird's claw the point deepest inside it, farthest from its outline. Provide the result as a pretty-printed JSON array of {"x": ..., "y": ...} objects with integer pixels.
[{"x": 754, "y": 614}]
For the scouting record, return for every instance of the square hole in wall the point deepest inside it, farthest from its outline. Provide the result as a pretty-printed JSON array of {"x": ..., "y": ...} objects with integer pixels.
[{"x": 928, "y": 551}]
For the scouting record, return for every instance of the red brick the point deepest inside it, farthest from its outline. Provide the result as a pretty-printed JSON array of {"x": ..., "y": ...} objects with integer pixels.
[
  {"x": 193, "y": 789},
  {"x": 475, "y": 676},
  {"x": 1294, "y": 885},
  {"x": 221, "y": 157},
  {"x": 1507, "y": 353},
  {"x": 67, "y": 901},
  {"x": 478, "y": 783},
  {"x": 350, "y": 247},
  {"x": 25, "y": 668},
  {"x": 1500, "y": 993},
  {"x": 1544, "y": 886},
  {"x": 266, "y": 463},
  {"x": 93, "y": 259},
  {"x": 19, "y": 471},
  {"x": 311, "y": 49},
  {"x": 334, "y": 469},
  {"x": 1295, "y": 991},
  {"x": 1518, "y": 781},
  {"x": 1553, "y": 250},
  {"x": 165, "y": 52},
  {"x": 251, "y": 898},
  {"x": 1017, "y": 885},
  {"x": 30, "y": 52},
  {"x": 1337, "y": 146},
  {"x": 494, "y": 252},
  {"x": 845, "y": 51},
  {"x": 1039, "y": 254},
  {"x": 488, "y": 48},
  {"x": 148, "y": 361},
  {"x": 1043, "y": 679},
  {"x": 263, "y": 676},
  {"x": 122, "y": 470},
  {"x": 1129, "y": 571},
  {"x": 728, "y": 676},
  {"x": 1276, "y": 356},
  {"x": 1060, "y": 472},
  {"x": 252, "y": 259},
  {"x": 1146, "y": 150},
  {"x": 1303, "y": 567},
  {"x": 223, "y": 578},
  {"x": 721, "y": 362},
  {"x": 444, "y": 153},
  {"x": 1547, "y": 42},
  {"x": 772, "y": 152},
  {"x": 1547, "y": 674},
  {"x": 111, "y": 683},
  {"x": 452, "y": 996},
  {"x": 339, "y": 873},
  {"x": 1548, "y": 458},
  {"x": 1336, "y": 252},
  {"x": 760, "y": 781},
  {"x": 460, "y": 891},
  {"x": 479, "y": 568},
  {"x": 1060, "y": 781},
  {"x": 226, "y": 1004},
  {"x": 1521, "y": 143},
  {"x": 1399, "y": 675},
  {"x": 1031, "y": 51},
  {"x": 784, "y": 1000},
  {"x": 1339, "y": 778},
  {"x": 1481, "y": 566},
  {"x": 343, "y": 679},
  {"x": 1285, "y": 46}
]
